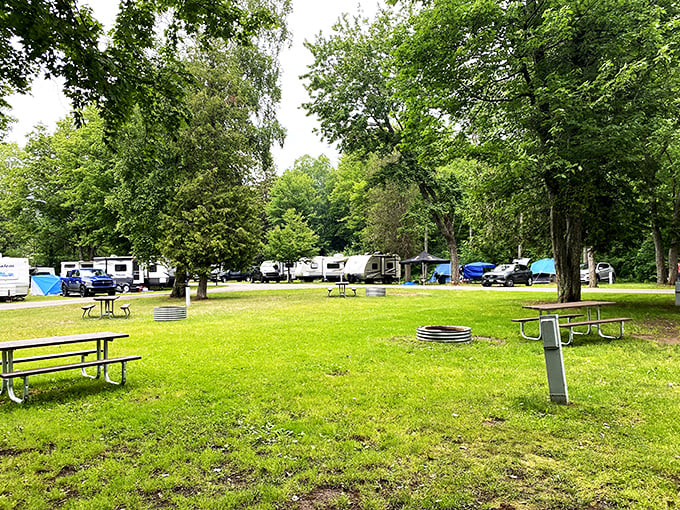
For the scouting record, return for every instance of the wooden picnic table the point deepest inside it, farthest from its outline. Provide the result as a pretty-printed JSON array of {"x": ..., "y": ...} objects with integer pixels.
[{"x": 101, "y": 350}]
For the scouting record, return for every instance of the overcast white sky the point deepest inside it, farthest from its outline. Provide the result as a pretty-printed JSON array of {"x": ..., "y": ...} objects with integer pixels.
[{"x": 46, "y": 104}]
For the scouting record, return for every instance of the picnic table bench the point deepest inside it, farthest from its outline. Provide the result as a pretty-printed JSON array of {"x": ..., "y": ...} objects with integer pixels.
[
  {"x": 102, "y": 363},
  {"x": 589, "y": 323}
]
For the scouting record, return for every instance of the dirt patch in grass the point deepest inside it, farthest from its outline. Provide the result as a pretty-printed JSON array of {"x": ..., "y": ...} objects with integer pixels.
[
  {"x": 665, "y": 332},
  {"x": 326, "y": 498},
  {"x": 491, "y": 340}
]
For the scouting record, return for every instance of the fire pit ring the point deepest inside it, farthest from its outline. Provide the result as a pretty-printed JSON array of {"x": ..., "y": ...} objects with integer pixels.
[
  {"x": 454, "y": 334},
  {"x": 169, "y": 313}
]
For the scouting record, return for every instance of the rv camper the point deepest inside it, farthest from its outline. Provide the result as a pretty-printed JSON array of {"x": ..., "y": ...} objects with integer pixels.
[
  {"x": 374, "y": 267},
  {"x": 328, "y": 269},
  {"x": 14, "y": 277},
  {"x": 70, "y": 265},
  {"x": 333, "y": 267},
  {"x": 309, "y": 270},
  {"x": 129, "y": 274},
  {"x": 272, "y": 270}
]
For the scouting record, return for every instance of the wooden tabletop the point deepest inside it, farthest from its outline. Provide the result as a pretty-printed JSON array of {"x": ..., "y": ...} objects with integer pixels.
[
  {"x": 59, "y": 340},
  {"x": 548, "y": 307}
]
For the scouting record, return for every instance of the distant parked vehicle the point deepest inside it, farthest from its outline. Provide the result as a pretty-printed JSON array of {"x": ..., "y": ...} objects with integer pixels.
[
  {"x": 87, "y": 282},
  {"x": 14, "y": 277},
  {"x": 272, "y": 270},
  {"x": 508, "y": 275},
  {"x": 240, "y": 276},
  {"x": 603, "y": 270}
]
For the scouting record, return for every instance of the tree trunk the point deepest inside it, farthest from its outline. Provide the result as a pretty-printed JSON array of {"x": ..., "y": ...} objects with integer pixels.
[
  {"x": 592, "y": 275},
  {"x": 566, "y": 234},
  {"x": 178, "y": 288},
  {"x": 658, "y": 252},
  {"x": 407, "y": 272},
  {"x": 445, "y": 225},
  {"x": 202, "y": 292},
  {"x": 673, "y": 246}
]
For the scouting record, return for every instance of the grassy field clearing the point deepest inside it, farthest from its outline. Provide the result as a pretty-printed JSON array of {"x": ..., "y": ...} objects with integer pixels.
[{"x": 289, "y": 399}]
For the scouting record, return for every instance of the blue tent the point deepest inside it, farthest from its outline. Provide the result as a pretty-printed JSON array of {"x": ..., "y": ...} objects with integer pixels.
[
  {"x": 45, "y": 285},
  {"x": 543, "y": 270},
  {"x": 441, "y": 272},
  {"x": 475, "y": 270},
  {"x": 472, "y": 271}
]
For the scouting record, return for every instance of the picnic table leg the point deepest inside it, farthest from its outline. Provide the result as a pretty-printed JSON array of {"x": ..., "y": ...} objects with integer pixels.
[
  {"x": 521, "y": 332},
  {"x": 4, "y": 371},
  {"x": 8, "y": 364},
  {"x": 123, "y": 374},
  {"x": 99, "y": 367},
  {"x": 610, "y": 337}
]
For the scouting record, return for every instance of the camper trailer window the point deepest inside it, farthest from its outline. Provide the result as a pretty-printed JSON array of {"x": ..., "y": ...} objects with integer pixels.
[
  {"x": 119, "y": 268},
  {"x": 390, "y": 265},
  {"x": 374, "y": 265},
  {"x": 153, "y": 268},
  {"x": 333, "y": 265}
]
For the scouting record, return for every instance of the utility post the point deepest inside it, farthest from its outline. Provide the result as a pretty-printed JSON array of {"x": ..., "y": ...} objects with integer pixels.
[{"x": 554, "y": 363}]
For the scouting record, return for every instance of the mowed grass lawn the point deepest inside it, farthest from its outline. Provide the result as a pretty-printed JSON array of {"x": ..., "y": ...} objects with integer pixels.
[{"x": 288, "y": 399}]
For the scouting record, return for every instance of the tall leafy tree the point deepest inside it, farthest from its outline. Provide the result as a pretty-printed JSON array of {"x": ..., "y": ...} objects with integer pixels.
[
  {"x": 352, "y": 92},
  {"x": 292, "y": 240},
  {"x": 555, "y": 84},
  {"x": 220, "y": 152}
]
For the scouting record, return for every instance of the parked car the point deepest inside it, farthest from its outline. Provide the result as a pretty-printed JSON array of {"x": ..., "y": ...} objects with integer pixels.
[
  {"x": 87, "y": 282},
  {"x": 239, "y": 276},
  {"x": 508, "y": 275},
  {"x": 602, "y": 271}
]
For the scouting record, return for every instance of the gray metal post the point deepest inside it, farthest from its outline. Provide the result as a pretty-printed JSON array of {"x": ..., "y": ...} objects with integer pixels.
[
  {"x": 677, "y": 293},
  {"x": 554, "y": 363}
]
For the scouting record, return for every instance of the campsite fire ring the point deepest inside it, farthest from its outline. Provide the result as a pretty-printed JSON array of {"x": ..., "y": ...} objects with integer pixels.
[{"x": 451, "y": 334}]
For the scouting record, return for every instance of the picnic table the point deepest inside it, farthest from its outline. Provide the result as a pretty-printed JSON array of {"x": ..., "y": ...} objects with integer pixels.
[
  {"x": 101, "y": 341},
  {"x": 342, "y": 289},
  {"x": 589, "y": 323},
  {"x": 105, "y": 305}
]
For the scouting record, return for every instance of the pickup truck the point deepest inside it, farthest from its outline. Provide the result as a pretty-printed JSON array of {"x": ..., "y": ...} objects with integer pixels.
[{"x": 87, "y": 282}]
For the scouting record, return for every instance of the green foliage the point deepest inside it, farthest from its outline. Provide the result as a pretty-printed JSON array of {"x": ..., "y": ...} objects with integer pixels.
[
  {"x": 62, "y": 39},
  {"x": 212, "y": 221},
  {"x": 59, "y": 194},
  {"x": 292, "y": 240}
]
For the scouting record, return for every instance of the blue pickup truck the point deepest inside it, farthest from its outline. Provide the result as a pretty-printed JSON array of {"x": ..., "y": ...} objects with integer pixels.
[{"x": 87, "y": 282}]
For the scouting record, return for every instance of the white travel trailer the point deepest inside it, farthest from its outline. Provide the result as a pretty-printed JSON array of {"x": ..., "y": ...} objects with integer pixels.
[
  {"x": 333, "y": 267},
  {"x": 128, "y": 273},
  {"x": 309, "y": 270},
  {"x": 273, "y": 270},
  {"x": 372, "y": 267},
  {"x": 328, "y": 269},
  {"x": 14, "y": 277},
  {"x": 79, "y": 264}
]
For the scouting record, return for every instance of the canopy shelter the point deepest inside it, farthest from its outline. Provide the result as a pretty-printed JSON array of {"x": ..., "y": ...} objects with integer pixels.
[
  {"x": 543, "y": 270},
  {"x": 423, "y": 258},
  {"x": 45, "y": 285}
]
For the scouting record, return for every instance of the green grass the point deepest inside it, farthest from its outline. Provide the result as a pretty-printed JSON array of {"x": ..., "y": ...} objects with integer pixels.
[{"x": 289, "y": 399}]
